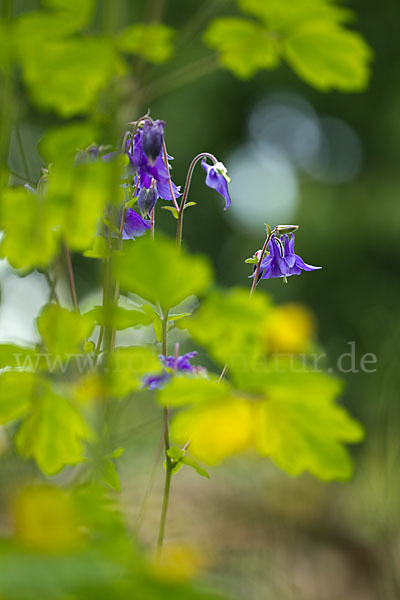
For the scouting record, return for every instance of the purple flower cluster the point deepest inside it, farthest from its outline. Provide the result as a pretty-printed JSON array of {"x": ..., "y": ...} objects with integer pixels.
[
  {"x": 180, "y": 364},
  {"x": 282, "y": 261},
  {"x": 146, "y": 158}
]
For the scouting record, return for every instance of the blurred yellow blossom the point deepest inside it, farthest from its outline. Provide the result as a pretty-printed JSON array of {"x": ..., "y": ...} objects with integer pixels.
[{"x": 289, "y": 328}]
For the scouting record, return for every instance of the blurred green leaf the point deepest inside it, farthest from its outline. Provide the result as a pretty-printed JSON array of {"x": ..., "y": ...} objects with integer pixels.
[
  {"x": 63, "y": 331},
  {"x": 17, "y": 390},
  {"x": 118, "y": 317},
  {"x": 229, "y": 325},
  {"x": 183, "y": 391},
  {"x": 127, "y": 368},
  {"x": 99, "y": 249},
  {"x": 190, "y": 462},
  {"x": 63, "y": 74},
  {"x": 27, "y": 220},
  {"x": 279, "y": 15},
  {"x": 78, "y": 12},
  {"x": 110, "y": 475},
  {"x": 53, "y": 434},
  {"x": 64, "y": 142},
  {"x": 329, "y": 57},
  {"x": 14, "y": 356},
  {"x": 157, "y": 271},
  {"x": 152, "y": 41},
  {"x": 245, "y": 47}
]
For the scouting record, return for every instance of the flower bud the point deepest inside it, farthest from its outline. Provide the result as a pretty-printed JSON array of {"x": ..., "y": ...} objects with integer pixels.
[
  {"x": 146, "y": 200},
  {"x": 152, "y": 140},
  {"x": 282, "y": 229}
]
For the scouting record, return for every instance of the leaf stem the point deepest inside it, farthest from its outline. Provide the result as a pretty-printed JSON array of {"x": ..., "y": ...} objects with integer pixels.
[{"x": 257, "y": 271}]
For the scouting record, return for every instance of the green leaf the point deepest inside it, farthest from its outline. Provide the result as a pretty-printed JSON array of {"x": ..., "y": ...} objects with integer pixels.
[
  {"x": 157, "y": 271},
  {"x": 178, "y": 317},
  {"x": 244, "y": 47},
  {"x": 183, "y": 391},
  {"x": 27, "y": 220},
  {"x": 152, "y": 41},
  {"x": 172, "y": 209},
  {"x": 78, "y": 12},
  {"x": 190, "y": 462},
  {"x": 299, "y": 425},
  {"x": 229, "y": 325},
  {"x": 53, "y": 434},
  {"x": 63, "y": 331},
  {"x": 175, "y": 453},
  {"x": 285, "y": 16},
  {"x": 127, "y": 368},
  {"x": 63, "y": 74},
  {"x": 187, "y": 204},
  {"x": 64, "y": 142},
  {"x": 329, "y": 57},
  {"x": 99, "y": 249},
  {"x": 117, "y": 452},
  {"x": 118, "y": 317},
  {"x": 17, "y": 390},
  {"x": 109, "y": 474},
  {"x": 15, "y": 356}
]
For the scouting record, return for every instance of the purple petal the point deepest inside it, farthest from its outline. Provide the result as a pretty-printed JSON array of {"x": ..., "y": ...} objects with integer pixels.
[
  {"x": 216, "y": 181},
  {"x": 134, "y": 225}
]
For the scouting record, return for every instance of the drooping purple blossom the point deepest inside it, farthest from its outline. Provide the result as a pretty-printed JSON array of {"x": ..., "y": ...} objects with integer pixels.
[
  {"x": 282, "y": 260},
  {"x": 152, "y": 139},
  {"x": 217, "y": 178},
  {"x": 180, "y": 364},
  {"x": 134, "y": 225},
  {"x": 149, "y": 171}
]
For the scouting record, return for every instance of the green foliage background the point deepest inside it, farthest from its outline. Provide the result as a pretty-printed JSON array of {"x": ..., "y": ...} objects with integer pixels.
[{"x": 84, "y": 78}]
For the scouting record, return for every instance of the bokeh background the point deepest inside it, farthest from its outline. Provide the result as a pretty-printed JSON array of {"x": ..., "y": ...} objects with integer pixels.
[{"x": 331, "y": 163}]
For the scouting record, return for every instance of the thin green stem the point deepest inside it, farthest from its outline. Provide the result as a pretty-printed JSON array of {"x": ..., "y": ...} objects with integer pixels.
[
  {"x": 181, "y": 208},
  {"x": 164, "y": 149},
  {"x": 52, "y": 286},
  {"x": 168, "y": 462},
  {"x": 71, "y": 277},
  {"x": 258, "y": 267}
]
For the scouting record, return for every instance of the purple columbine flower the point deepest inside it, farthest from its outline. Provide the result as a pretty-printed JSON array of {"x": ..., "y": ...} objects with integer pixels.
[
  {"x": 180, "y": 364},
  {"x": 217, "y": 178},
  {"x": 152, "y": 139},
  {"x": 134, "y": 225},
  {"x": 282, "y": 261},
  {"x": 147, "y": 171}
]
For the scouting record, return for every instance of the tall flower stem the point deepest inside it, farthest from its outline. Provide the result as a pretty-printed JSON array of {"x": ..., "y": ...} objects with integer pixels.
[
  {"x": 258, "y": 267},
  {"x": 168, "y": 462},
  {"x": 181, "y": 208},
  {"x": 71, "y": 277},
  {"x": 164, "y": 149}
]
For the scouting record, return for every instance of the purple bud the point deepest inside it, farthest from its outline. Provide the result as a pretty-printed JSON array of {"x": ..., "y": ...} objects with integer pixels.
[
  {"x": 152, "y": 139},
  {"x": 146, "y": 200}
]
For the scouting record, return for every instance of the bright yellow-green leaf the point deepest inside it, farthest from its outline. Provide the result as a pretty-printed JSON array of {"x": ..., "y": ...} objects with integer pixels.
[
  {"x": 63, "y": 74},
  {"x": 329, "y": 57},
  {"x": 152, "y": 41},
  {"x": 119, "y": 318},
  {"x": 157, "y": 271},
  {"x": 53, "y": 434},
  {"x": 215, "y": 430},
  {"x": 17, "y": 390},
  {"x": 278, "y": 15},
  {"x": 63, "y": 331},
  {"x": 80, "y": 194},
  {"x": 109, "y": 474},
  {"x": 41, "y": 509},
  {"x": 229, "y": 325},
  {"x": 99, "y": 249},
  {"x": 78, "y": 12},
  {"x": 64, "y": 142},
  {"x": 193, "y": 390},
  {"x": 245, "y": 47},
  {"x": 127, "y": 367},
  {"x": 27, "y": 220},
  {"x": 14, "y": 356}
]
